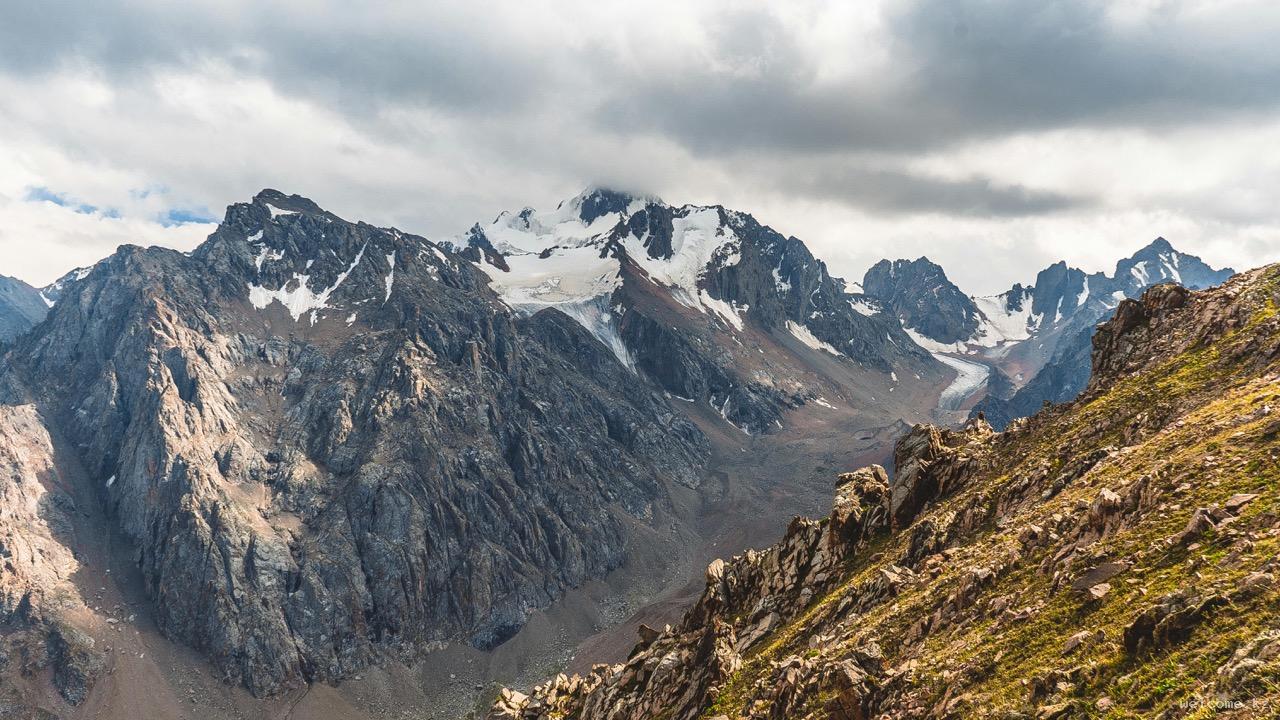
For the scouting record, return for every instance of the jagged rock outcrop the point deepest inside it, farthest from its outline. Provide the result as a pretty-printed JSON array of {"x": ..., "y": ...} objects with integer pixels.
[
  {"x": 930, "y": 461},
  {"x": 1128, "y": 335},
  {"x": 1094, "y": 558},
  {"x": 922, "y": 297}
]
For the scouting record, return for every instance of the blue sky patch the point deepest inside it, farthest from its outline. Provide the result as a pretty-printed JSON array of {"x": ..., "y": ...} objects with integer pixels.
[
  {"x": 44, "y": 194},
  {"x": 184, "y": 216}
]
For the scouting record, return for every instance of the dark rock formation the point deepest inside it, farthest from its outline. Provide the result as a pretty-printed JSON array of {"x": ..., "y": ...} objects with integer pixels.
[{"x": 922, "y": 297}]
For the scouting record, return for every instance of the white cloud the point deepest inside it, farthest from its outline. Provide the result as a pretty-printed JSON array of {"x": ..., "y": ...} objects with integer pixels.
[
  {"x": 41, "y": 241},
  {"x": 868, "y": 130}
]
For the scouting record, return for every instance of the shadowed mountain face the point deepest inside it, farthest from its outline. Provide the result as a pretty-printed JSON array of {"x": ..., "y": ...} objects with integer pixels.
[
  {"x": 21, "y": 307},
  {"x": 325, "y": 444},
  {"x": 922, "y": 297}
]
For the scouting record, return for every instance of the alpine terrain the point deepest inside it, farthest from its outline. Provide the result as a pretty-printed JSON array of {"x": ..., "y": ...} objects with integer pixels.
[
  {"x": 1115, "y": 556},
  {"x": 21, "y": 307}
]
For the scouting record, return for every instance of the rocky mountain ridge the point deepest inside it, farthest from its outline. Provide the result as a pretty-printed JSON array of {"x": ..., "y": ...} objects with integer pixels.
[
  {"x": 1113, "y": 556},
  {"x": 675, "y": 291},
  {"x": 1033, "y": 338},
  {"x": 21, "y": 307}
]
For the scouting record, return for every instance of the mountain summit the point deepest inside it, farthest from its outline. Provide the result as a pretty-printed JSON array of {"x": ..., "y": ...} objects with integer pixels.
[{"x": 661, "y": 285}]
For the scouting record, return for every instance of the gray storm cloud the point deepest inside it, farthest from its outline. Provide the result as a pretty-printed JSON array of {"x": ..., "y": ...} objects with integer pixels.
[{"x": 910, "y": 122}]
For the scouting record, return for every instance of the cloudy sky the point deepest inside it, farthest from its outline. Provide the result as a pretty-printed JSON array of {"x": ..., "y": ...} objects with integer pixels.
[{"x": 994, "y": 136}]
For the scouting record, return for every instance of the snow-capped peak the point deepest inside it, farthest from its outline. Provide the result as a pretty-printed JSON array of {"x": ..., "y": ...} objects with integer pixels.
[
  {"x": 571, "y": 257},
  {"x": 572, "y": 224}
]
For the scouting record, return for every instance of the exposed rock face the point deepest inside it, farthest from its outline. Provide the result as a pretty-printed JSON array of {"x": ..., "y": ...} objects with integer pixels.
[
  {"x": 1041, "y": 572},
  {"x": 1128, "y": 335},
  {"x": 39, "y": 603},
  {"x": 329, "y": 440},
  {"x": 929, "y": 461},
  {"x": 923, "y": 298},
  {"x": 21, "y": 307}
]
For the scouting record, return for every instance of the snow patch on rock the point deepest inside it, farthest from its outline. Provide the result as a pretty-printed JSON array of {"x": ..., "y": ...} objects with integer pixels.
[
  {"x": 301, "y": 299},
  {"x": 804, "y": 335}
]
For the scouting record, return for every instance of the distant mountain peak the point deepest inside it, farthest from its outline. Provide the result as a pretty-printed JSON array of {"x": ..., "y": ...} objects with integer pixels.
[
  {"x": 21, "y": 307},
  {"x": 1159, "y": 261},
  {"x": 597, "y": 201},
  {"x": 282, "y": 204},
  {"x": 922, "y": 296}
]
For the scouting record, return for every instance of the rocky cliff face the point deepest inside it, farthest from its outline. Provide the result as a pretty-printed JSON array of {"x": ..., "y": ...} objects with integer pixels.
[
  {"x": 922, "y": 297},
  {"x": 1114, "y": 555},
  {"x": 21, "y": 307},
  {"x": 329, "y": 440},
  {"x": 40, "y": 604}
]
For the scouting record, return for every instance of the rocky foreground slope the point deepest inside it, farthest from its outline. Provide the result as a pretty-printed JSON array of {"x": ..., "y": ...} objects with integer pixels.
[{"x": 1115, "y": 556}]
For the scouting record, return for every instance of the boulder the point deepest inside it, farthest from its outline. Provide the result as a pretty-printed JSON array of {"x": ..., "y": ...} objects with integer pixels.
[{"x": 1171, "y": 620}]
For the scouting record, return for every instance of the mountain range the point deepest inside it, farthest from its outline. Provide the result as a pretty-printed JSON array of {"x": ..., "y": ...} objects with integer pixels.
[
  {"x": 312, "y": 448},
  {"x": 1032, "y": 340},
  {"x": 316, "y": 451}
]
